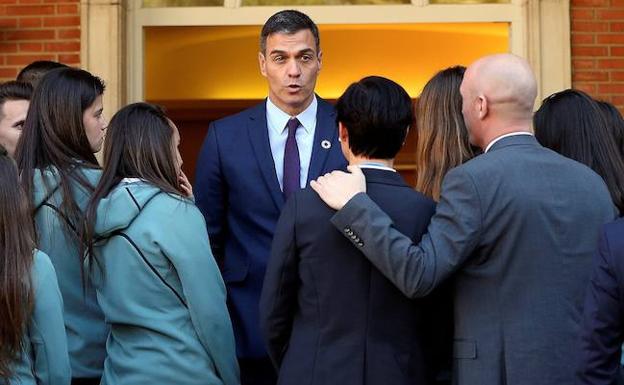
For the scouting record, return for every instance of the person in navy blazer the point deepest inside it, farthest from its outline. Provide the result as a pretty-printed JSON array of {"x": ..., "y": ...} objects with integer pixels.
[
  {"x": 602, "y": 332},
  {"x": 241, "y": 173},
  {"x": 328, "y": 315}
]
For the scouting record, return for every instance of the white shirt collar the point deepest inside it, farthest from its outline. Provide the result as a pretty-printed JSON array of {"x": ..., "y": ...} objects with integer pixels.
[
  {"x": 375, "y": 166},
  {"x": 278, "y": 118},
  {"x": 505, "y": 136}
]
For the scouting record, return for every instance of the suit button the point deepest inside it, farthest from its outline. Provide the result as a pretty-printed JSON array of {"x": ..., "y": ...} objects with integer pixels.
[
  {"x": 361, "y": 244},
  {"x": 347, "y": 230},
  {"x": 353, "y": 236}
]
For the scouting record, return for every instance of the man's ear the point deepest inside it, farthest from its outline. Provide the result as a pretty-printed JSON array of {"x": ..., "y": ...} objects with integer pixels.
[
  {"x": 343, "y": 134},
  {"x": 262, "y": 63},
  {"x": 483, "y": 107},
  {"x": 320, "y": 60}
]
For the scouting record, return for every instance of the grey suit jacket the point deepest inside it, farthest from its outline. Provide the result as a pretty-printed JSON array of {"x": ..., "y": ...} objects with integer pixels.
[{"x": 516, "y": 227}]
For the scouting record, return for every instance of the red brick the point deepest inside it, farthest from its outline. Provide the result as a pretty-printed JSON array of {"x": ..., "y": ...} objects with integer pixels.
[
  {"x": 30, "y": 34},
  {"x": 616, "y": 38},
  {"x": 589, "y": 26},
  {"x": 69, "y": 59},
  {"x": 617, "y": 3},
  {"x": 69, "y": 46},
  {"x": 68, "y": 34},
  {"x": 616, "y": 27},
  {"x": 583, "y": 38},
  {"x": 589, "y": 51},
  {"x": 616, "y": 51},
  {"x": 611, "y": 88},
  {"x": 588, "y": 88},
  {"x": 583, "y": 64},
  {"x": 65, "y": 1},
  {"x": 8, "y": 47},
  {"x": 21, "y": 10},
  {"x": 589, "y": 3},
  {"x": 30, "y": 22},
  {"x": 30, "y": 1},
  {"x": 8, "y": 73},
  {"x": 590, "y": 76},
  {"x": 582, "y": 14},
  {"x": 9, "y": 22},
  {"x": 617, "y": 100},
  {"x": 8, "y": 1},
  {"x": 27, "y": 59},
  {"x": 61, "y": 21},
  {"x": 31, "y": 47},
  {"x": 611, "y": 14},
  {"x": 611, "y": 63},
  {"x": 67, "y": 9},
  {"x": 618, "y": 76}
]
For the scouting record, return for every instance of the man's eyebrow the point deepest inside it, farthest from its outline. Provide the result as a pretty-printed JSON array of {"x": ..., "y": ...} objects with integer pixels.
[{"x": 282, "y": 52}]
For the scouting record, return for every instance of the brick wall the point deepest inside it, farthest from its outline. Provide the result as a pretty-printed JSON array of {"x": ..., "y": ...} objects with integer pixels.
[
  {"x": 598, "y": 48},
  {"x": 38, "y": 30}
]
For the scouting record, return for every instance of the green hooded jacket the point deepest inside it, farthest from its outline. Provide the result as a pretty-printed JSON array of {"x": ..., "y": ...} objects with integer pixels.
[
  {"x": 84, "y": 321},
  {"x": 161, "y": 292}
]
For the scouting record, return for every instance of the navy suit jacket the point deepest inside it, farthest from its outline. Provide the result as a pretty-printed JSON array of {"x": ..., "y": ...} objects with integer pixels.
[
  {"x": 602, "y": 333},
  {"x": 237, "y": 190},
  {"x": 328, "y": 315}
]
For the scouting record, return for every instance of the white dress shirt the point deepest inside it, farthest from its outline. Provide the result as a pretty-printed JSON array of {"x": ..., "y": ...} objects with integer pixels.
[
  {"x": 505, "y": 136},
  {"x": 278, "y": 133}
]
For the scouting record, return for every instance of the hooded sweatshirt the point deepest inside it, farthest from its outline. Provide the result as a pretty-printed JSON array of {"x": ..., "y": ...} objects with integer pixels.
[
  {"x": 84, "y": 321},
  {"x": 161, "y": 292},
  {"x": 44, "y": 359}
]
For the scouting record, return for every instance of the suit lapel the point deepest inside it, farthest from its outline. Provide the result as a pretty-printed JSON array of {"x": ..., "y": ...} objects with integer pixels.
[
  {"x": 259, "y": 136},
  {"x": 325, "y": 132}
]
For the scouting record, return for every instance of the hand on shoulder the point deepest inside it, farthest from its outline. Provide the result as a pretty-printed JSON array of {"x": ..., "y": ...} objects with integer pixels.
[{"x": 338, "y": 187}]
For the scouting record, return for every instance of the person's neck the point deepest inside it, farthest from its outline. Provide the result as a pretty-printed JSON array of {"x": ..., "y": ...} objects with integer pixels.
[
  {"x": 508, "y": 129},
  {"x": 358, "y": 160},
  {"x": 292, "y": 110}
]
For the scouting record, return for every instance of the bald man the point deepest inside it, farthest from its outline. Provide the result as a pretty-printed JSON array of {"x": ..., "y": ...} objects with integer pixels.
[{"x": 514, "y": 228}]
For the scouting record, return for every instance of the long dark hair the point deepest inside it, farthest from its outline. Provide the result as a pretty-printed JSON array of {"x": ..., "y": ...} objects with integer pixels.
[
  {"x": 615, "y": 122},
  {"x": 441, "y": 135},
  {"x": 570, "y": 122},
  {"x": 17, "y": 243},
  {"x": 138, "y": 144},
  {"x": 54, "y": 134}
]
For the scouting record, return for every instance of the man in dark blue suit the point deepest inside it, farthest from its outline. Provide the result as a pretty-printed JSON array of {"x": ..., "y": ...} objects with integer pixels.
[
  {"x": 602, "y": 332},
  {"x": 251, "y": 162},
  {"x": 329, "y": 317}
]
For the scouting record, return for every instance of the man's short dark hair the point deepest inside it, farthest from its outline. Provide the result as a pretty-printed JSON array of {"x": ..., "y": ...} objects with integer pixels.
[
  {"x": 14, "y": 90},
  {"x": 33, "y": 72},
  {"x": 288, "y": 22},
  {"x": 377, "y": 113}
]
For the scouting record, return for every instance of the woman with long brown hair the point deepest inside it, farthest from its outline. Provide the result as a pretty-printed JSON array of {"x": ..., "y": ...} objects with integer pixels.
[
  {"x": 442, "y": 138},
  {"x": 33, "y": 346},
  {"x": 151, "y": 264},
  {"x": 63, "y": 130}
]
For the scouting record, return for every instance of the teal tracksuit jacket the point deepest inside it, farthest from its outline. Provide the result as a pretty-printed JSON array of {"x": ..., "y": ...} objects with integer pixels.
[
  {"x": 84, "y": 321},
  {"x": 161, "y": 292},
  {"x": 44, "y": 359}
]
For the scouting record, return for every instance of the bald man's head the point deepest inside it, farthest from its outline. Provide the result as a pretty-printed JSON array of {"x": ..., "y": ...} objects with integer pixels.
[{"x": 500, "y": 89}]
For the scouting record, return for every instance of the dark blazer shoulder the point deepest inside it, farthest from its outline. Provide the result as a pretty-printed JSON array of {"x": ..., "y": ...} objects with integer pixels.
[{"x": 241, "y": 118}]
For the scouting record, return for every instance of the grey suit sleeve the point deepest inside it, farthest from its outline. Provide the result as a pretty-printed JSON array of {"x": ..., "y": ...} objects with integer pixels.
[
  {"x": 47, "y": 328},
  {"x": 279, "y": 292},
  {"x": 416, "y": 270}
]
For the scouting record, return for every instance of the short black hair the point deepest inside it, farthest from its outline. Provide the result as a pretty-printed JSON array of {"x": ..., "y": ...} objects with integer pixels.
[
  {"x": 14, "y": 90},
  {"x": 33, "y": 72},
  {"x": 377, "y": 113},
  {"x": 289, "y": 22}
]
